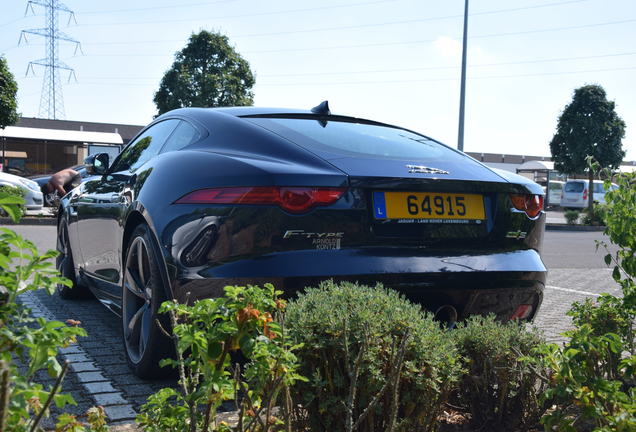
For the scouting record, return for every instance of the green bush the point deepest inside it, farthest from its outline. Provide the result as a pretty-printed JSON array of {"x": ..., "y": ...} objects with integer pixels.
[
  {"x": 593, "y": 383},
  {"x": 246, "y": 320},
  {"x": 14, "y": 197},
  {"x": 375, "y": 361},
  {"x": 33, "y": 343},
  {"x": 597, "y": 217},
  {"x": 499, "y": 388},
  {"x": 571, "y": 216}
]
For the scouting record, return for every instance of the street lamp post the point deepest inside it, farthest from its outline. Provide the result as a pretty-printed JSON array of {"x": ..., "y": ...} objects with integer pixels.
[{"x": 462, "y": 95}]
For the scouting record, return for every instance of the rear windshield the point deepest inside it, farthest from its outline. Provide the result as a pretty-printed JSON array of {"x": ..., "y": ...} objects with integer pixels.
[
  {"x": 355, "y": 139},
  {"x": 574, "y": 187}
]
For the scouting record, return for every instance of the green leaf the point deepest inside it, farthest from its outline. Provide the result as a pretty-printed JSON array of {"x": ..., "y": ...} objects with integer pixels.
[
  {"x": 63, "y": 399},
  {"x": 616, "y": 274},
  {"x": 246, "y": 343},
  {"x": 214, "y": 349}
]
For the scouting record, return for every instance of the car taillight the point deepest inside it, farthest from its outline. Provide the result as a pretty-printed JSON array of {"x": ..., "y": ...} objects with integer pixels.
[
  {"x": 292, "y": 199},
  {"x": 530, "y": 203},
  {"x": 584, "y": 194}
]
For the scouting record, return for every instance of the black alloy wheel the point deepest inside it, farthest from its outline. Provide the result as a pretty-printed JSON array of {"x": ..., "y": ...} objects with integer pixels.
[
  {"x": 64, "y": 264},
  {"x": 142, "y": 294}
]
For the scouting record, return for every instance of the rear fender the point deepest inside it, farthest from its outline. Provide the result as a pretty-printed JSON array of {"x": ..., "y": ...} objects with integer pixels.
[{"x": 137, "y": 215}]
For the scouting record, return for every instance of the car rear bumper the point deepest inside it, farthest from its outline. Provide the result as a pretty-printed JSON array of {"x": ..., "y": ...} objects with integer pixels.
[{"x": 472, "y": 283}]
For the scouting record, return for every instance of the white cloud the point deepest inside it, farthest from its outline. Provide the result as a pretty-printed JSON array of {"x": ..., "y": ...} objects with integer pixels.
[
  {"x": 452, "y": 49},
  {"x": 448, "y": 47}
]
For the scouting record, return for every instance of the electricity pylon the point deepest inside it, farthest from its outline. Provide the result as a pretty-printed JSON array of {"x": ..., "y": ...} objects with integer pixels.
[{"x": 51, "y": 100}]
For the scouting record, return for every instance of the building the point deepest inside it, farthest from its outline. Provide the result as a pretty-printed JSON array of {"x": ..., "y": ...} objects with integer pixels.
[
  {"x": 42, "y": 146},
  {"x": 537, "y": 168}
]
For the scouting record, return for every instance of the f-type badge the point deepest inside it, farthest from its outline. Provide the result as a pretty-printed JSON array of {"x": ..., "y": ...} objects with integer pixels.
[
  {"x": 425, "y": 170},
  {"x": 518, "y": 235}
]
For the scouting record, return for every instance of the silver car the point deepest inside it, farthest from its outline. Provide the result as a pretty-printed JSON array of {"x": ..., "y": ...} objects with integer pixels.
[
  {"x": 32, "y": 194},
  {"x": 575, "y": 193}
]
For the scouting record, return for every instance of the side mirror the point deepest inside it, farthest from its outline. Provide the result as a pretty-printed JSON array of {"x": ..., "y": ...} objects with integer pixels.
[{"x": 97, "y": 164}]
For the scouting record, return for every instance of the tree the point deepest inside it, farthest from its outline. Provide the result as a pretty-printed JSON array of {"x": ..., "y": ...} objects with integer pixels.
[
  {"x": 8, "y": 92},
  {"x": 208, "y": 72},
  {"x": 588, "y": 126}
]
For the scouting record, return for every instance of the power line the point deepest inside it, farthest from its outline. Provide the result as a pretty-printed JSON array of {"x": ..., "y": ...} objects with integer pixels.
[
  {"x": 626, "y": 68},
  {"x": 11, "y": 22},
  {"x": 489, "y": 12},
  {"x": 409, "y": 21},
  {"x": 281, "y": 12},
  {"x": 433, "y": 40},
  {"x": 551, "y": 60},
  {"x": 176, "y": 6},
  {"x": 414, "y": 42},
  {"x": 416, "y": 69}
]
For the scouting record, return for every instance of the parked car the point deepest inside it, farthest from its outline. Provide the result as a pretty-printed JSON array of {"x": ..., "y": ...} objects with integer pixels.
[
  {"x": 555, "y": 192},
  {"x": 204, "y": 198},
  {"x": 43, "y": 179},
  {"x": 576, "y": 193},
  {"x": 32, "y": 194}
]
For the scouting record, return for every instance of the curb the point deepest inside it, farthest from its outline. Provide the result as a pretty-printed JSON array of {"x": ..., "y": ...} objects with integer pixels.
[
  {"x": 91, "y": 377},
  {"x": 566, "y": 227},
  {"x": 29, "y": 221}
]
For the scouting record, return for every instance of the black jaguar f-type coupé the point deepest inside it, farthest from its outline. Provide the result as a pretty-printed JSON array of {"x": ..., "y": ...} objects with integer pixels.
[{"x": 204, "y": 198}]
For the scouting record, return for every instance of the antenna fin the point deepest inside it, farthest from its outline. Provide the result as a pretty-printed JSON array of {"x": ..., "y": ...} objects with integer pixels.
[{"x": 323, "y": 108}]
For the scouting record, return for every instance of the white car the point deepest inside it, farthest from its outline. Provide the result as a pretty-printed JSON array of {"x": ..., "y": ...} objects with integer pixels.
[
  {"x": 32, "y": 194},
  {"x": 576, "y": 193},
  {"x": 555, "y": 192}
]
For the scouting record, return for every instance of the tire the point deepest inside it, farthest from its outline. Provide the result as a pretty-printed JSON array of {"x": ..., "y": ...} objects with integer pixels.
[
  {"x": 142, "y": 294},
  {"x": 66, "y": 267}
]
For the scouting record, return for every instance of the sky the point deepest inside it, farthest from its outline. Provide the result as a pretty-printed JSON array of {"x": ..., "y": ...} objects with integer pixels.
[{"x": 395, "y": 61}]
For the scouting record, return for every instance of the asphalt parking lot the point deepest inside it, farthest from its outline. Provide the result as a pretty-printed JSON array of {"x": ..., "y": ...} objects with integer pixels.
[{"x": 101, "y": 376}]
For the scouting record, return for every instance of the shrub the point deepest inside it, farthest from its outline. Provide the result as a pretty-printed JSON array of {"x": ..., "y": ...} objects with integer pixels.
[
  {"x": 31, "y": 342},
  {"x": 249, "y": 321},
  {"x": 499, "y": 388},
  {"x": 596, "y": 217},
  {"x": 593, "y": 384},
  {"x": 13, "y": 197},
  {"x": 571, "y": 216},
  {"x": 374, "y": 360}
]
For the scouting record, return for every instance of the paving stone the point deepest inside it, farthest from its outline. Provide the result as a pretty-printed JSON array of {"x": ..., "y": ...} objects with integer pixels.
[
  {"x": 84, "y": 367},
  {"x": 109, "y": 399},
  {"x": 73, "y": 349},
  {"x": 137, "y": 390},
  {"x": 100, "y": 387},
  {"x": 76, "y": 358},
  {"x": 107, "y": 360},
  {"x": 120, "y": 412},
  {"x": 85, "y": 377}
]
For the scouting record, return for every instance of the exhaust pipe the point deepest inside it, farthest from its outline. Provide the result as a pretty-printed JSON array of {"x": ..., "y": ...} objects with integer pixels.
[{"x": 447, "y": 315}]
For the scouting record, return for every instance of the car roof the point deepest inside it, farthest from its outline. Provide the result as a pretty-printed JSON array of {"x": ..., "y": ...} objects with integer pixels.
[{"x": 204, "y": 114}]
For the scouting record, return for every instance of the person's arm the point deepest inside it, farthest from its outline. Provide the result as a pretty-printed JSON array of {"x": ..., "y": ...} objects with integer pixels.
[
  {"x": 59, "y": 179},
  {"x": 60, "y": 189}
]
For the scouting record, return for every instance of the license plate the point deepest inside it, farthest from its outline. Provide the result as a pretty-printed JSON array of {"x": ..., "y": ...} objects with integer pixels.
[{"x": 437, "y": 207}]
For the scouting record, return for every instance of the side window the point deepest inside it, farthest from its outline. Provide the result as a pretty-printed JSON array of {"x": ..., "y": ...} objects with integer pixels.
[
  {"x": 145, "y": 147},
  {"x": 183, "y": 135}
]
